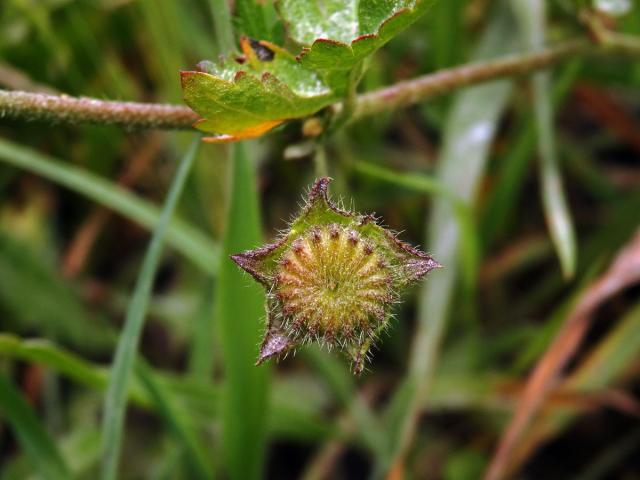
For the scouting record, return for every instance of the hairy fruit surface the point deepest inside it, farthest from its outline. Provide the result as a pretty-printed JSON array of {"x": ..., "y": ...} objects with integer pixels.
[{"x": 332, "y": 278}]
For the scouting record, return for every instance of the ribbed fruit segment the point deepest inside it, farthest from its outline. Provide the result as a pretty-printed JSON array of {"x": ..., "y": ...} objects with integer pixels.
[
  {"x": 331, "y": 278},
  {"x": 333, "y": 284}
]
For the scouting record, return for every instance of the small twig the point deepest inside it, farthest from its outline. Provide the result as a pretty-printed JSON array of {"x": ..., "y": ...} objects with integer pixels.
[{"x": 66, "y": 109}]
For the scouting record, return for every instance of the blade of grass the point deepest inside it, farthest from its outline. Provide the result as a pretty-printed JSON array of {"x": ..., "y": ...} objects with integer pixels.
[
  {"x": 446, "y": 25},
  {"x": 33, "y": 437},
  {"x": 177, "y": 421},
  {"x": 115, "y": 399},
  {"x": 160, "y": 23},
  {"x": 605, "y": 364},
  {"x": 469, "y": 132},
  {"x": 297, "y": 416},
  {"x": 240, "y": 314},
  {"x": 505, "y": 196},
  {"x": 611, "y": 356},
  {"x": 340, "y": 382},
  {"x": 201, "y": 354},
  {"x": 192, "y": 243},
  {"x": 221, "y": 15},
  {"x": 532, "y": 17},
  {"x": 149, "y": 390}
]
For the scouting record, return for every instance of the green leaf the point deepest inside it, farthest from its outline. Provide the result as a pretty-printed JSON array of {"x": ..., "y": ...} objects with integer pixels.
[
  {"x": 338, "y": 35},
  {"x": 247, "y": 96},
  {"x": 35, "y": 440},
  {"x": 245, "y": 100},
  {"x": 116, "y": 397}
]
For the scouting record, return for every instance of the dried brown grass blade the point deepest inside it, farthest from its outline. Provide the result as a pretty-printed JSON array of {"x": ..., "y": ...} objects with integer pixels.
[{"x": 624, "y": 271}]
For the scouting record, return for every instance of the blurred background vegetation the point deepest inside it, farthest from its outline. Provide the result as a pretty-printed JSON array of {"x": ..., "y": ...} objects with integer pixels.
[{"x": 471, "y": 176}]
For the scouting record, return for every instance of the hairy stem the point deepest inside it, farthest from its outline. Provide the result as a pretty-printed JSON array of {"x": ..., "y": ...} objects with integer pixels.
[
  {"x": 66, "y": 109},
  {"x": 413, "y": 91}
]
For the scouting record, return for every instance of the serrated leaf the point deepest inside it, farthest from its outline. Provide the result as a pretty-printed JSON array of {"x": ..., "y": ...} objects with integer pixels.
[
  {"x": 248, "y": 97},
  {"x": 337, "y": 35}
]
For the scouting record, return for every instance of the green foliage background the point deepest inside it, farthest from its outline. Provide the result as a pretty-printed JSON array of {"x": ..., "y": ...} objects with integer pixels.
[{"x": 524, "y": 189}]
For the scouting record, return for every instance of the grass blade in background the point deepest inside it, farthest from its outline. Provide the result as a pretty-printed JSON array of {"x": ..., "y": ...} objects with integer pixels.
[
  {"x": 177, "y": 422},
  {"x": 35, "y": 440},
  {"x": 221, "y": 15},
  {"x": 116, "y": 397},
  {"x": 604, "y": 365},
  {"x": 340, "y": 382},
  {"x": 623, "y": 272},
  {"x": 469, "y": 132},
  {"x": 188, "y": 240},
  {"x": 201, "y": 353},
  {"x": 611, "y": 356},
  {"x": 56, "y": 309},
  {"x": 445, "y": 27},
  {"x": 240, "y": 314},
  {"x": 532, "y": 17},
  {"x": 506, "y": 196},
  {"x": 295, "y": 413}
]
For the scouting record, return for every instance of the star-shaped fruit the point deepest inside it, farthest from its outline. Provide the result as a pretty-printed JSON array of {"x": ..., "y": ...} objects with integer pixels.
[{"x": 333, "y": 278}]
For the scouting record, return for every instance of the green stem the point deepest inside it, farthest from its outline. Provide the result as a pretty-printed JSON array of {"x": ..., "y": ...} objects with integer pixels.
[{"x": 116, "y": 397}]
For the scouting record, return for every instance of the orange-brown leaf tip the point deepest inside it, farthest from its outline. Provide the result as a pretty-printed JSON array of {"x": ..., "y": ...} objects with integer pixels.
[{"x": 254, "y": 131}]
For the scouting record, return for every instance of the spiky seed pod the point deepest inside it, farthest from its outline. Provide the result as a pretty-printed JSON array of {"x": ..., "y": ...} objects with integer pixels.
[{"x": 333, "y": 278}]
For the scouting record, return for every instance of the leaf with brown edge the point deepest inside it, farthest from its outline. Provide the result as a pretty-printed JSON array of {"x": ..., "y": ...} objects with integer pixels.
[
  {"x": 249, "y": 96},
  {"x": 338, "y": 35}
]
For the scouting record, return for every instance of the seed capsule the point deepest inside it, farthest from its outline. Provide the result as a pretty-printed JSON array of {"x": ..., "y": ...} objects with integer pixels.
[{"x": 332, "y": 278}]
